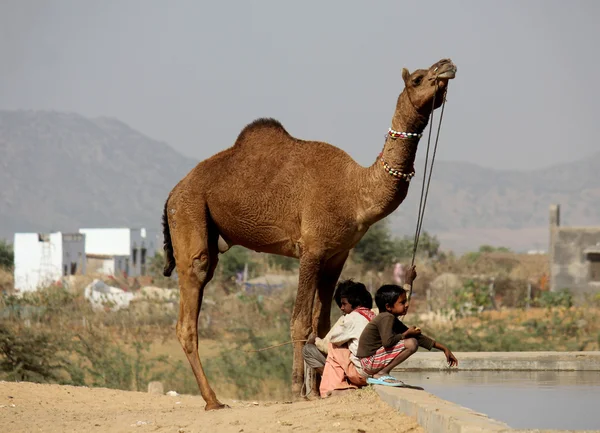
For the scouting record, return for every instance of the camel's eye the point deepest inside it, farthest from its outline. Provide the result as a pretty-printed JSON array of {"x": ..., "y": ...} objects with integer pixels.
[{"x": 417, "y": 80}]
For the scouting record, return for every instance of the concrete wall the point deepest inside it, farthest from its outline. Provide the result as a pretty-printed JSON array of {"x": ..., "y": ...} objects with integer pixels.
[
  {"x": 121, "y": 265},
  {"x": 73, "y": 259},
  {"x": 143, "y": 244},
  {"x": 107, "y": 242},
  {"x": 131, "y": 249},
  {"x": 135, "y": 262},
  {"x": 40, "y": 259},
  {"x": 100, "y": 264},
  {"x": 574, "y": 256}
]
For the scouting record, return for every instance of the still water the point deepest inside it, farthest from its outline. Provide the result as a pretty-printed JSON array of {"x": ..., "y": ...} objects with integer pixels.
[{"x": 522, "y": 399}]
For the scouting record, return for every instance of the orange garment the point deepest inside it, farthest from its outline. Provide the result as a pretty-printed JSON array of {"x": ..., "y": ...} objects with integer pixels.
[{"x": 339, "y": 371}]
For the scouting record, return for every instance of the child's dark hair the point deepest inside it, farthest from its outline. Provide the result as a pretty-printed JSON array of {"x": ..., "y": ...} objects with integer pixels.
[
  {"x": 388, "y": 294},
  {"x": 356, "y": 293}
]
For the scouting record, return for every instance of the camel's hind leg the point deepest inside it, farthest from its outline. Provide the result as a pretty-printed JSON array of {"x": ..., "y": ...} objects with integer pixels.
[{"x": 196, "y": 255}]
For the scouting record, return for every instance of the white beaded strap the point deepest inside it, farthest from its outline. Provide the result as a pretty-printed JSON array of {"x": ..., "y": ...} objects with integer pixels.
[{"x": 400, "y": 134}]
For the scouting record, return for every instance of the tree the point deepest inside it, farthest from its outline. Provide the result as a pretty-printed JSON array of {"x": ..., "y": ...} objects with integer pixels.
[
  {"x": 428, "y": 246},
  {"x": 233, "y": 261},
  {"x": 403, "y": 247},
  {"x": 7, "y": 256},
  {"x": 376, "y": 249}
]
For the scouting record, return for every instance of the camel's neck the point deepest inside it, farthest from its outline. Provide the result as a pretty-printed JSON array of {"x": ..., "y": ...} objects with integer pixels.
[
  {"x": 384, "y": 192},
  {"x": 400, "y": 153}
]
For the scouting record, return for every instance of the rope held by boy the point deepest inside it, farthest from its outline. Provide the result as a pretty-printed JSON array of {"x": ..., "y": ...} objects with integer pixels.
[{"x": 275, "y": 345}]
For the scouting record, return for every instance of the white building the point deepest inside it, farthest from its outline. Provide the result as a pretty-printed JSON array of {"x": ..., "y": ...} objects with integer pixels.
[
  {"x": 42, "y": 258},
  {"x": 120, "y": 250}
]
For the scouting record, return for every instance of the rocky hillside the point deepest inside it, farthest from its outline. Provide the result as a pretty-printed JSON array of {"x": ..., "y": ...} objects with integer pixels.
[
  {"x": 62, "y": 171},
  {"x": 469, "y": 205}
]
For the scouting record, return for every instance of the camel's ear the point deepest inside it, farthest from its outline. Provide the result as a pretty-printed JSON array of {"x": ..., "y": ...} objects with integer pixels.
[{"x": 405, "y": 75}]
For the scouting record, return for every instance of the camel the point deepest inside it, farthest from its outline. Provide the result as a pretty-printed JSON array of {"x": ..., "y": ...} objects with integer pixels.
[{"x": 274, "y": 193}]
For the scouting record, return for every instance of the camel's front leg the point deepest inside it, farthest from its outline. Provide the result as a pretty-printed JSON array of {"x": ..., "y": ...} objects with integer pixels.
[
  {"x": 310, "y": 266},
  {"x": 321, "y": 312},
  {"x": 328, "y": 277}
]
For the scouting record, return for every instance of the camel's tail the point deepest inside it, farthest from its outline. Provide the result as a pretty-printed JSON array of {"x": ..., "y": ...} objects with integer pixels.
[{"x": 168, "y": 245}]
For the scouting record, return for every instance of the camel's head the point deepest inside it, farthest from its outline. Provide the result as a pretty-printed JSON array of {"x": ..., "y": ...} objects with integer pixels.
[{"x": 421, "y": 85}]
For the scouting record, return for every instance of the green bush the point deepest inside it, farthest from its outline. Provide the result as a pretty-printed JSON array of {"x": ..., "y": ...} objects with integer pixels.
[
  {"x": 29, "y": 354},
  {"x": 492, "y": 249},
  {"x": 7, "y": 255},
  {"x": 561, "y": 298},
  {"x": 557, "y": 330},
  {"x": 84, "y": 352},
  {"x": 472, "y": 298}
]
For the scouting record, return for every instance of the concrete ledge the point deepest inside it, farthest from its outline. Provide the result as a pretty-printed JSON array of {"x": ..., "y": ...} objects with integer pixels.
[
  {"x": 436, "y": 415},
  {"x": 514, "y": 361}
]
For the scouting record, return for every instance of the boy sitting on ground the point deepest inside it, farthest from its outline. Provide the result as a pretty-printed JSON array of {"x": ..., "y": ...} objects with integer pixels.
[
  {"x": 342, "y": 369},
  {"x": 315, "y": 350},
  {"x": 387, "y": 342}
]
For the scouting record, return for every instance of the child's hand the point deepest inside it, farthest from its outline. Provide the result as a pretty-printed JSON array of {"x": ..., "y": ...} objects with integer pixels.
[
  {"x": 452, "y": 361},
  {"x": 411, "y": 274},
  {"x": 412, "y": 331}
]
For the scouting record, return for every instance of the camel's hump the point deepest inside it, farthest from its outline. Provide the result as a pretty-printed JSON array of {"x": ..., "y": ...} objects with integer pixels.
[{"x": 258, "y": 124}]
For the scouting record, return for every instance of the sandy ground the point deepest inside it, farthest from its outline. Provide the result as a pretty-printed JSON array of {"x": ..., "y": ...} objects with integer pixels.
[{"x": 30, "y": 407}]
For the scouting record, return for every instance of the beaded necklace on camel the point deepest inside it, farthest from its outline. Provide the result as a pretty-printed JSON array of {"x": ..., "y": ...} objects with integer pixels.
[{"x": 396, "y": 173}]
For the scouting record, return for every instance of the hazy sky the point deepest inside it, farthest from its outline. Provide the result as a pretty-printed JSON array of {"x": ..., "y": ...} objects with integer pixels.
[{"x": 193, "y": 73}]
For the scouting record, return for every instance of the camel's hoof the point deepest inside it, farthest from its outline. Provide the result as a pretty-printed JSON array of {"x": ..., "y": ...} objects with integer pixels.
[{"x": 215, "y": 406}]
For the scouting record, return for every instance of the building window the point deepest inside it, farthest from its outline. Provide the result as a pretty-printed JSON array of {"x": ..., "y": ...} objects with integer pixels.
[
  {"x": 73, "y": 268},
  {"x": 143, "y": 260},
  {"x": 594, "y": 266},
  {"x": 65, "y": 270},
  {"x": 134, "y": 256}
]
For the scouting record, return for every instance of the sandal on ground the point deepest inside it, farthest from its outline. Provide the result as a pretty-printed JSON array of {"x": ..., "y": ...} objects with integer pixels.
[{"x": 385, "y": 380}]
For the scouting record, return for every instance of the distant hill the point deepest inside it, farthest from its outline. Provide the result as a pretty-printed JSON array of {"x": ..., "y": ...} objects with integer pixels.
[
  {"x": 469, "y": 205},
  {"x": 62, "y": 171}
]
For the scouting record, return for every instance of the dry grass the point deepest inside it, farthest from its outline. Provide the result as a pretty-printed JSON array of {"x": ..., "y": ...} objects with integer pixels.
[
  {"x": 546, "y": 329},
  {"x": 7, "y": 282}
]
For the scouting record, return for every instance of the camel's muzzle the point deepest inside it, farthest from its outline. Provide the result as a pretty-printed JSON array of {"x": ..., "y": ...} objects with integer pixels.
[{"x": 446, "y": 70}]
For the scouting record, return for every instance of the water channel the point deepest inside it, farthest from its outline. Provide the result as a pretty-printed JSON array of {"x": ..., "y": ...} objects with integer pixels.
[{"x": 522, "y": 399}]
